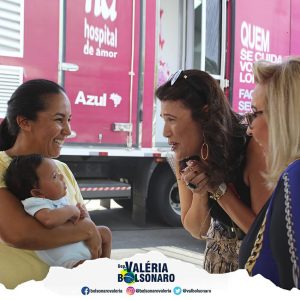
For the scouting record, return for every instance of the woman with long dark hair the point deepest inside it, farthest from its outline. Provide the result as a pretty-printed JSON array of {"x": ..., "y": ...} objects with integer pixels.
[{"x": 219, "y": 167}]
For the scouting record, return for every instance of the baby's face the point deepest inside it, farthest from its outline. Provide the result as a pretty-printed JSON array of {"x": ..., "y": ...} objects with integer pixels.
[{"x": 51, "y": 181}]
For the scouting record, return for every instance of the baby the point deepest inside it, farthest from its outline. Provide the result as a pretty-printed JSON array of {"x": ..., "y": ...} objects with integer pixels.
[{"x": 38, "y": 180}]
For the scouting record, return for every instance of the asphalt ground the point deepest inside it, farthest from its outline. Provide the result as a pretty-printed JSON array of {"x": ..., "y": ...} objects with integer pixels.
[{"x": 130, "y": 239}]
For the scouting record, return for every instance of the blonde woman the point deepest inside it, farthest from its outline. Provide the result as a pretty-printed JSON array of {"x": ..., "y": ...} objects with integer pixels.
[{"x": 272, "y": 245}]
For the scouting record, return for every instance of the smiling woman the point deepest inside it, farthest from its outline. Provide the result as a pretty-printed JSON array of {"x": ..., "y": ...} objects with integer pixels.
[
  {"x": 48, "y": 131},
  {"x": 39, "y": 111},
  {"x": 37, "y": 122}
]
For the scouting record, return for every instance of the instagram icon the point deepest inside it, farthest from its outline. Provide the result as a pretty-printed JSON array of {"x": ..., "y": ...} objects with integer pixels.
[{"x": 130, "y": 290}]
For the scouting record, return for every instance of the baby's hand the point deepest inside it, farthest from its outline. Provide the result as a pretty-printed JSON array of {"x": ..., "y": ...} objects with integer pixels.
[
  {"x": 83, "y": 211},
  {"x": 75, "y": 214}
]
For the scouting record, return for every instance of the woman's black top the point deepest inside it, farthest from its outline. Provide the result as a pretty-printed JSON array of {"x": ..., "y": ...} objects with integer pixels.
[
  {"x": 237, "y": 179},
  {"x": 250, "y": 237}
]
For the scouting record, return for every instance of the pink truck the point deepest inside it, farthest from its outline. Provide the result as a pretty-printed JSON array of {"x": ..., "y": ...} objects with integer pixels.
[{"x": 110, "y": 55}]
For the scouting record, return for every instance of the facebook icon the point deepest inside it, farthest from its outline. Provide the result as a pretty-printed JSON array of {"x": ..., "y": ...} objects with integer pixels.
[{"x": 85, "y": 290}]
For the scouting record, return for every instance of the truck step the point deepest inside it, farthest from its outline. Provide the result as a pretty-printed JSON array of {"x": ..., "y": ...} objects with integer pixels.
[{"x": 104, "y": 189}]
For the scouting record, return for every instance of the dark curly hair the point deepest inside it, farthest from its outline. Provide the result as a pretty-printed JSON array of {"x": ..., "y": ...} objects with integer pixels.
[
  {"x": 223, "y": 129},
  {"x": 21, "y": 177}
]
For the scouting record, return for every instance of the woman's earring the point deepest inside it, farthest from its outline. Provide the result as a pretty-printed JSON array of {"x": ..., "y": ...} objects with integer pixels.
[{"x": 204, "y": 149}]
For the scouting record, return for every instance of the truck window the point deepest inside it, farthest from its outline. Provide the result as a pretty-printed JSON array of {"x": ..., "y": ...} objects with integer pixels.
[
  {"x": 207, "y": 15},
  {"x": 11, "y": 20}
]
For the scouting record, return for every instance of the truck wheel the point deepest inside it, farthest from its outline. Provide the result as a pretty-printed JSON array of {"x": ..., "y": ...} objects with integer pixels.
[{"x": 163, "y": 196}]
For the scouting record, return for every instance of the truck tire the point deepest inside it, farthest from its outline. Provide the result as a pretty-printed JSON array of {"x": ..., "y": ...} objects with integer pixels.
[{"x": 163, "y": 197}]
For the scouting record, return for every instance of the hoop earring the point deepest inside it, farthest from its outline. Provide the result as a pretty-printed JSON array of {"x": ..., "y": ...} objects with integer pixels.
[{"x": 204, "y": 149}]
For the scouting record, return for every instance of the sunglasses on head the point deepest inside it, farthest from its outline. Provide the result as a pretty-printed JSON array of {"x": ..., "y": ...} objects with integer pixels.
[{"x": 181, "y": 75}]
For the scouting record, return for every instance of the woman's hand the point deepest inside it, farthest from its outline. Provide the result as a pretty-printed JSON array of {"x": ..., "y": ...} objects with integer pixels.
[
  {"x": 194, "y": 178},
  {"x": 94, "y": 241},
  {"x": 195, "y": 212}
]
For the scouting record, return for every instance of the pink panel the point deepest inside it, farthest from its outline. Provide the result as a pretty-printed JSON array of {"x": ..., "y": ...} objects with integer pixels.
[
  {"x": 262, "y": 31},
  {"x": 295, "y": 27},
  {"x": 99, "y": 41},
  {"x": 41, "y": 28}
]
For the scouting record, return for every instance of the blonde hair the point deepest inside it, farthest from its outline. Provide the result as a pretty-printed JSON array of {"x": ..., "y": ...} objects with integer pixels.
[{"x": 282, "y": 113}]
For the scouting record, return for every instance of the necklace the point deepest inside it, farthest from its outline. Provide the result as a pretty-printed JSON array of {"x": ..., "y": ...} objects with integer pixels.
[{"x": 257, "y": 247}]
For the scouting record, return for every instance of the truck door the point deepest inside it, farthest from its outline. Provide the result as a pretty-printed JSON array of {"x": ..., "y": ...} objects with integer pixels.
[{"x": 99, "y": 69}]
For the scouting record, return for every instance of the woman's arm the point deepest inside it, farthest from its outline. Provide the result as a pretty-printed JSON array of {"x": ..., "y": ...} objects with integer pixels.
[
  {"x": 195, "y": 215},
  {"x": 253, "y": 176},
  {"x": 20, "y": 230},
  {"x": 196, "y": 210},
  {"x": 241, "y": 214}
]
